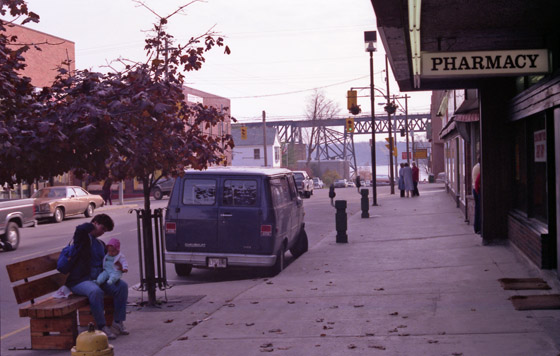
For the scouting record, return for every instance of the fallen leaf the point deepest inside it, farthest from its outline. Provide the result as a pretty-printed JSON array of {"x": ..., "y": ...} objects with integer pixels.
[
  {"x": 441, "y": 333},
  {"x": 379, "y": 289},
  {"x": 204, "y": 335},
  {"x": 289, "y": 290},
  {"x": 314, "y": 288},
  {"x": 249, "y": 324},
  {"x": 352, "y": 346},
  {"x": 404, "y": 334},
  {"x": 284, "y": 348},
  {"x": 183, "y": 338},
  {"x": 319, "y": 320},
  {"x": 433, "y": 341},
  {"x": 275, "y": 331},
  {"x": 268, "y": 349},
  {"x": 457, "y": 354},
  {"x": 405, "y": 317},
  {"x": 254, "y": 302},
  {"x": 377, "y": 347},
  {"x": 317, "y": 345},
  {"x": 269, "y": 282},
  {"x": 370, "y": 334},
  {"x": 394, "y": 313},
  {"x": 168, "y": 321},
  {"x": 327, "y": 271},
  {"x": 268, "y": 344},
  {"x": 330, "y": 322},
  {"x": 473, "y": 309},
  {"x": 291, "y": 302},
  {"x": 334, "y": 307},
  {"x": 326, "y": 327},
  {"x": 394, "y": 330},
  {"x": 323, "y": 335},
  {"x": 228, "y": 324},
  {"x": 194, "y": 323},
  {"x": 401, "y": 326},
  {"x": 358, "y": 306}
]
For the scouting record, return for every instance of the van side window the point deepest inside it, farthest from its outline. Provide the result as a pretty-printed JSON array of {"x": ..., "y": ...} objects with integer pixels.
[
  {"x": 292, "y": 187},
  {"x": 199, "y": 192},
  {"x": 280, "y": 191},
  {"x": 240, "y": 192}
]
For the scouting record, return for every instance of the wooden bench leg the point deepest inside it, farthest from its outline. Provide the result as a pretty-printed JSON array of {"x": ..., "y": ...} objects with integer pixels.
[
  {"x": 54, "y": 333},
  {"x": 85, "y": 317}
]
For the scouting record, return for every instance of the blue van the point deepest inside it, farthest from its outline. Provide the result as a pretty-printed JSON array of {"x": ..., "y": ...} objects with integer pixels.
[{"x": 234, "y": 216}]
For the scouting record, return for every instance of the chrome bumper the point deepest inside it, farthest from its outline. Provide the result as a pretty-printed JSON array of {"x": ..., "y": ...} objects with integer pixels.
[{"x": 200, "y": 259}]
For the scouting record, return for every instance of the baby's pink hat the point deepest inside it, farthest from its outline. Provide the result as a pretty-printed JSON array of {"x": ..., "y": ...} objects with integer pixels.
[{"x": 115, "y": 243}]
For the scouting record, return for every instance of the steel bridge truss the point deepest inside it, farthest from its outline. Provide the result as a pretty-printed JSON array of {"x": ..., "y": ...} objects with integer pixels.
[{"x": 336, "y": 143}]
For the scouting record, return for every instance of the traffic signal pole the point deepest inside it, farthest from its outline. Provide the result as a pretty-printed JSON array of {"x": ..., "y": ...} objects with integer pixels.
[
  {"x": 390, "y": 128},
  {"x": 373, "y": 162}
]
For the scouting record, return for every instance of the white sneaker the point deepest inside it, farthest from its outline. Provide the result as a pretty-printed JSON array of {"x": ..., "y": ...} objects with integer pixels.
[
  {"x": 119, "y": 327},
  {"x": 110, "y": 335}
]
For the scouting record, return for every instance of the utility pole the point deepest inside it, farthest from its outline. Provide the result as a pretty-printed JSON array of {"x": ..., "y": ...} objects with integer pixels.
[
  {"x": 390, "y": 129},
  {"x": 406, "y": 128},
  {"x": 264, "y": 136}
]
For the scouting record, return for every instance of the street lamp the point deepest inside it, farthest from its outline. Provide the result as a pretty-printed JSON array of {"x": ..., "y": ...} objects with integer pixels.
[{"x": 370, "y": 39}]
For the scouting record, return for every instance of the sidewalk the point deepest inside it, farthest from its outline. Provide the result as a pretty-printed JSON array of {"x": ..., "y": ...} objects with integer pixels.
[{"x": 413, "y": 280}]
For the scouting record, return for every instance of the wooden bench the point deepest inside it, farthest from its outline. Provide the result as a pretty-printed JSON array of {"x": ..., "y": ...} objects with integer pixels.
[{"x": 54, "y": 322}]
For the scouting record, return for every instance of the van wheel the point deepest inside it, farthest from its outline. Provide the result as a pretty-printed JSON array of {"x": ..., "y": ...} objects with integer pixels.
[
  {"x": 278, "y": 265},
  {"x": 183, "y": 270},
  {"x": 158, "y": 194},
  {"x": 302, "y": 244}
]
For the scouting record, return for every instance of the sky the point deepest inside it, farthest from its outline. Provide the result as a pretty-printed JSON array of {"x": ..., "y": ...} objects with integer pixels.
[{"x": 281, "y": 50}]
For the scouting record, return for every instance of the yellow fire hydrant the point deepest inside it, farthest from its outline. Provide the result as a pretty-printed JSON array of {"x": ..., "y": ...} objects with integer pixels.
[{"x": 92, "y": 343}]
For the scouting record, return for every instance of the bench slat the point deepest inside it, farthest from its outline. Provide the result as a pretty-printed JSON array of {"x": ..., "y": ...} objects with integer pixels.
[
  {"x": 54, "y": 307},
  {"x": 33, "y": 267},
  {"x": 39, "y": 287}
]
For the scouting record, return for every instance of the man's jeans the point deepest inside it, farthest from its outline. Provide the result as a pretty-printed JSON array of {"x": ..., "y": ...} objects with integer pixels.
[{"x": 95, "y": 294}]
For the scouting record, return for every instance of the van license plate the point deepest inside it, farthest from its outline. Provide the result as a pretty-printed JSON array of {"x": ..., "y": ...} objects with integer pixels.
[{"x": 220, "y": 262}]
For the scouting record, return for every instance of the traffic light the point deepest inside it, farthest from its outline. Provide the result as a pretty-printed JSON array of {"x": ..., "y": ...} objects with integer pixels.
[
  {"x": 352, "y": 99},
  {"x": 350, "y": 124},
  {"x": 243, "y": 132},
  {"x": 390, "y": 142}
]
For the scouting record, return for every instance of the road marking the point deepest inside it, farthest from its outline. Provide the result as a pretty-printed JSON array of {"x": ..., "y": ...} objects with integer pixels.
[
  {"x": 14, "y": 332},
  {"x": 38, "y": 252}
]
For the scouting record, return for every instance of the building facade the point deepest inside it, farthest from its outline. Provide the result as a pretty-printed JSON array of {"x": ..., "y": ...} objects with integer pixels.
[
  {"x": 251, "y": 150},
  {"x": 496, "y": 69}
]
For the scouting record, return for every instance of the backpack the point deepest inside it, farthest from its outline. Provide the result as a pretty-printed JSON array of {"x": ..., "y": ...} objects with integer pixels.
[{"x": 67, "y": 258}]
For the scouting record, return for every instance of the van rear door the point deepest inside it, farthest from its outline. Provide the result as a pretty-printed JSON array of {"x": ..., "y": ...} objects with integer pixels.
[
  {"x": 240, "y": 215},
  {"x": 197, "y": 217}
]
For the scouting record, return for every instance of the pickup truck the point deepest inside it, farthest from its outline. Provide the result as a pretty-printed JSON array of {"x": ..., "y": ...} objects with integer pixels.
[{"x": 14, "y": 214}]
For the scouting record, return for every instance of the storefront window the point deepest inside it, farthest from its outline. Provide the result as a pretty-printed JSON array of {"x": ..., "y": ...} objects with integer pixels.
[{"x": 530, "y": 178}]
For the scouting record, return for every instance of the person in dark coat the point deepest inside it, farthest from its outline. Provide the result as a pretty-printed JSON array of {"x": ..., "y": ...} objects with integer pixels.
[
  {"x": 86, "y": 269},
  {"x": 106, "y": 191},
  {"x": 415, "y": 179}
]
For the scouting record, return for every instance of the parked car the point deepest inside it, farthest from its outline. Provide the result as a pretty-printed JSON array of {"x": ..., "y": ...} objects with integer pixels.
[
  {"x": 351, "y": 184},
  {"x": 304, "y": 183},
  {"x": 318, "y": 183},
  {"x": 382, "y": 180},
  {"x": 340, "y": 183},
  {"x": 14, "y": 214},
  {"x": 232, "y": 216},
  {"x": 163, "y": 187},
  {"x": 56, "y": 203}
]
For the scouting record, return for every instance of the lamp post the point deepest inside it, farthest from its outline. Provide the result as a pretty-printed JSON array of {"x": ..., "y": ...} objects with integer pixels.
[{"x": 370, "y": 39}]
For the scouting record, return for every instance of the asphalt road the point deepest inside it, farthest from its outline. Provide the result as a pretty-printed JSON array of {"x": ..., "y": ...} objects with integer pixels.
[{"x": 50, "y": 237}]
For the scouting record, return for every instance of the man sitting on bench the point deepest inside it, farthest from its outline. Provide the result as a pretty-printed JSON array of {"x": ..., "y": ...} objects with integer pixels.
[{"x": 88, "y": 265}]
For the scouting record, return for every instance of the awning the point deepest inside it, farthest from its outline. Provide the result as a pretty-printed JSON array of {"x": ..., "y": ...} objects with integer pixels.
[
  {"x": 447, "y": 129},
  {"x": 467, "y": 117}
]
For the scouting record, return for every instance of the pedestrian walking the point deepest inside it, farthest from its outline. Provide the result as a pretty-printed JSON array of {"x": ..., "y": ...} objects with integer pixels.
[
  {"x": 476, "y": 195},
  {"x": 408, "y": 183},
  {"x": 401, "y": 180},
  {"x": 415, "y": 179},
  {"x": 106, "y": 191}
]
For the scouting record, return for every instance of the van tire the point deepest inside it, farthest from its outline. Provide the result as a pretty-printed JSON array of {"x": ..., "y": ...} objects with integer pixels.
[
  {"x": 278, "y": 265},
  {"x": 183, "y": 270},
  {"x": 302, "y": 244}
]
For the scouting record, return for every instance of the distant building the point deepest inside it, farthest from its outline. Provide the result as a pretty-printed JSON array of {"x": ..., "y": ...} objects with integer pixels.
[
  {"x": 250, "y": 152},
  {"x": 321, "y": 167},
  {"x": 194, "y": 96},
  {"x": 42, "y": 64}
]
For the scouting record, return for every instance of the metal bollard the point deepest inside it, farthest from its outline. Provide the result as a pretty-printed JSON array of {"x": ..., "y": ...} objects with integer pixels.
[
  {"x": 341, "y": 221},
  {"x": 365, "y": 203}
]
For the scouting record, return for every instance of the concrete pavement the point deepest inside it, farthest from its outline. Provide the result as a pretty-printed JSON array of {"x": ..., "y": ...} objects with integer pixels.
[{"x": 412, "y": 280}]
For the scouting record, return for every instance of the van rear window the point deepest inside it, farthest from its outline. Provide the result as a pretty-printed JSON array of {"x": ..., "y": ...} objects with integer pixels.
[
  {"x": 199, "y": 192},
  {"x": 240, "y": 193}
]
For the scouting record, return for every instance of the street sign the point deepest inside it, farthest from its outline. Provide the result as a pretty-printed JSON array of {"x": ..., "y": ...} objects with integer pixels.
[
  {"x": 421, "y": 153},
  {"x": 406, "y": 155}
]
